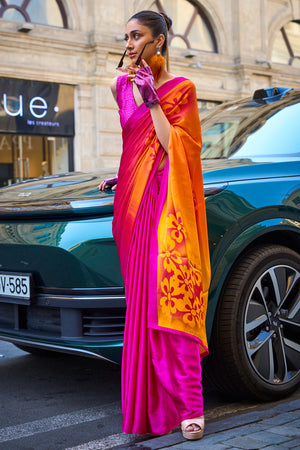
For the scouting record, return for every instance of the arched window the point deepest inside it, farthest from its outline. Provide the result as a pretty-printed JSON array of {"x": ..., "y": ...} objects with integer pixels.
[
  {"x": 191, "y": 28},
  {"x": 286, "y": 49},
  {"x": 45, "y": 12}
]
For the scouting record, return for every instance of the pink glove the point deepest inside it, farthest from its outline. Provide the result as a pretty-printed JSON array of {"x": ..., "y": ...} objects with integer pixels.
[
  {"x": 145, "y": 84},
  {"x": 111, "y": 181}
]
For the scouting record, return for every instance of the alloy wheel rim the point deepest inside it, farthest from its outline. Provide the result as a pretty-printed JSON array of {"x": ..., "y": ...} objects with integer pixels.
[{"x": 272, "y": 325}]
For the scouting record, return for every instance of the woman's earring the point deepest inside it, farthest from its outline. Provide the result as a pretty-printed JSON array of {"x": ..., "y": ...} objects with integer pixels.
[{"x": 157, "y": 64}]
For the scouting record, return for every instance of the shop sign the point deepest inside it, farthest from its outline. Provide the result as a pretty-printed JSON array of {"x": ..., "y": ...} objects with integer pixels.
[{"x": 36, "y": 108}]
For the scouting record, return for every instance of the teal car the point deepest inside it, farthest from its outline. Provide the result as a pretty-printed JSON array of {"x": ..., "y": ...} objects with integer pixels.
[{"x": 60, "y": 283}]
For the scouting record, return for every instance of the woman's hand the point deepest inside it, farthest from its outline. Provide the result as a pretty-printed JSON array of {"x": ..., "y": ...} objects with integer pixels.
[
  {"x": 145, "y": 83},
  {"x": 109, "y": 183}
]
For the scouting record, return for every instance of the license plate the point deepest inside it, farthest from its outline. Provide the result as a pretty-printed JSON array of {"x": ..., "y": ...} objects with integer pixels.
[{"x": 15, "y": 285}]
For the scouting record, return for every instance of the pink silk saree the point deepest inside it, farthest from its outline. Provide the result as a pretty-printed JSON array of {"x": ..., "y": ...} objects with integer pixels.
[{"x": 160, "y": 230}]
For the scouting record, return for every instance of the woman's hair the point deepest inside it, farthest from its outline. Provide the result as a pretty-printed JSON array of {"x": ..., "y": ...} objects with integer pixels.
[{"x": 158, "y": 23}]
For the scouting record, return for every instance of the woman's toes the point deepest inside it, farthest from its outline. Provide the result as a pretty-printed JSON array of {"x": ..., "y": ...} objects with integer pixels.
[{"x": 193, "y": 427}]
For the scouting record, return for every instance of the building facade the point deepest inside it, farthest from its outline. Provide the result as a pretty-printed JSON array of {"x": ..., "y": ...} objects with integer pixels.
[{"x": 58, "y": 58}]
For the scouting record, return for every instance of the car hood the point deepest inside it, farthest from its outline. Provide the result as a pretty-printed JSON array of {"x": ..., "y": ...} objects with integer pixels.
[
  {"x": 72, "y": 193},
  {"x": 231, "y": 170},
  {"x": 77, "y": 193}
]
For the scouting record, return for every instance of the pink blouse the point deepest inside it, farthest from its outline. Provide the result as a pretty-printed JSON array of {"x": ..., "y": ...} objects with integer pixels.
[{"x": 125, "y": 99}]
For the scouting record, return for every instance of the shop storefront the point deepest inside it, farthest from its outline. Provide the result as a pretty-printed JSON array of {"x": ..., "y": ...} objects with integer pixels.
[{"x": 36, "y": 129}]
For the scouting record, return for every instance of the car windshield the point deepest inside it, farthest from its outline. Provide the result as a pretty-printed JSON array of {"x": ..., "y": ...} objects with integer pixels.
[{"x": 253, "y": 131}]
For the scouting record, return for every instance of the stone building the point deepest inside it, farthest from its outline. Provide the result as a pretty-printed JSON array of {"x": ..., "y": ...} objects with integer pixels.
[{"x": 59, "y": 56}]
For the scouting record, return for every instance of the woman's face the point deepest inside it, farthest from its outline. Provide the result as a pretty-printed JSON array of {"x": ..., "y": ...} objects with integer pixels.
[{"x": 136, "y": 36}]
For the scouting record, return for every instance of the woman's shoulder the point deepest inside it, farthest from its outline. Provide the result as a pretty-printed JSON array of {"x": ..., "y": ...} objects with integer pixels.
[
  {"x": 120, "y": 79},
  {"x": 113, "y": 83},
  {"x": 113, "y": 87},
  {"x": 180, "y": 82},
  {"x": 185, "y": 80},
  {"x": 183, "y": 87},
  {"x": 179, "y": 79},
  {"x": 186, "y": 83},
  {"x": 116, "y": 84}
]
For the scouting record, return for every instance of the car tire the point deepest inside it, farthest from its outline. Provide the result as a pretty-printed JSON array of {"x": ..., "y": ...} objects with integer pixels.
[{"x": 254, "y": 350}]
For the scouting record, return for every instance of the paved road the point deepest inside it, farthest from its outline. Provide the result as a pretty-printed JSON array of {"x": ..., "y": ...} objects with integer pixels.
[
  {"x": 275, "y": 427},
  {"x": 68, "y": 402}
]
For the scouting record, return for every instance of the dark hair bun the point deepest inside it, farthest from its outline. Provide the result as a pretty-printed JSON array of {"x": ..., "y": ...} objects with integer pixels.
[{"x": 168, "y": 20}]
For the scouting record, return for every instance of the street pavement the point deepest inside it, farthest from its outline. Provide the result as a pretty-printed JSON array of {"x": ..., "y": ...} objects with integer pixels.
[
  {"x": 69, "y": 403},
  {"x": 274, "y": 428}
]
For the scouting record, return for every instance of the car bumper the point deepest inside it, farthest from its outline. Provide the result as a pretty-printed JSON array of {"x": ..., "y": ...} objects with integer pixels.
[{"x": 90, "y": 323}]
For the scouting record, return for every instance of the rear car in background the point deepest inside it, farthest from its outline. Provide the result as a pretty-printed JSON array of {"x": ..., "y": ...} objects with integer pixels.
[{"x": 60, "y": 282}]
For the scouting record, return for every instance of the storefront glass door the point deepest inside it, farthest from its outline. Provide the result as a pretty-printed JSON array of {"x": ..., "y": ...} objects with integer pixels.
[{"x": 23, "y": 157}]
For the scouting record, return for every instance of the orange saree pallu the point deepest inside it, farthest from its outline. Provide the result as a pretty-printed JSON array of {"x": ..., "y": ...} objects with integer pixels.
[{"x": 160, "y": 230}]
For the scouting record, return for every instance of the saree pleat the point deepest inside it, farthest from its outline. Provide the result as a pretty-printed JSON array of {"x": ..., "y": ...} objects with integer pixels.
[
  {"x": 135, "y": 349},
  {"x": 175, "y": 389},
  {"x": 161, "y": 373}
]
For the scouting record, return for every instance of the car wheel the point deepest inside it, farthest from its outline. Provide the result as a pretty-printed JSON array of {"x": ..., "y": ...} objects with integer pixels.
[{"x": 255, "y": 348}]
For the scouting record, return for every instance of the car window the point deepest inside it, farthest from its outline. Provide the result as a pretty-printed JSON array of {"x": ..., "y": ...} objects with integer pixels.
[{"x": 247, "y": 133}]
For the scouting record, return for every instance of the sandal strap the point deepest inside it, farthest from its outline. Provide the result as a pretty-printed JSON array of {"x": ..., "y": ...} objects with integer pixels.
[{"x": 199, "y": 421}]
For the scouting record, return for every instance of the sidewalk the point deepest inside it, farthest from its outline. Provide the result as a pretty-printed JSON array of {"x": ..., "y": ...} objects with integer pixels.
[{"x": 276, "y": 428}]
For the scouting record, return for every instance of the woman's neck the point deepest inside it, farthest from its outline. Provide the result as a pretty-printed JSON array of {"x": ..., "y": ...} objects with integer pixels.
[{"x": 165, "y": 76}]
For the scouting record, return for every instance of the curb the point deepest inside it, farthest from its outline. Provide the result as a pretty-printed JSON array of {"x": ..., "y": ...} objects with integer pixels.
[{"x": 211, "y": 428}]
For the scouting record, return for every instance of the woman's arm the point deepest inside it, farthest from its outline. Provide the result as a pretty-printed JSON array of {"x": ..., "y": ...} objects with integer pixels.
[
  {"x": 111, "y": 182},
  {"x": 161, "y": 125},
  {"x": 113, "y": 87},
  {"x": 144, "y": 81}
]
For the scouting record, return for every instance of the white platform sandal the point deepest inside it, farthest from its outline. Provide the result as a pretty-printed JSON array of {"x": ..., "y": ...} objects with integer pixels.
[{"x": 196, "y": 434}]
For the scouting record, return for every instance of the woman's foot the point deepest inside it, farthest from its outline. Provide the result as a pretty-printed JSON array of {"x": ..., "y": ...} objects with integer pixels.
[{"x": 193, "y": 429}]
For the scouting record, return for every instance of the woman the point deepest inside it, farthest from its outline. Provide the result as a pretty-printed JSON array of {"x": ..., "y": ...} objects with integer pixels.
[{"x": 160, "y": 230}]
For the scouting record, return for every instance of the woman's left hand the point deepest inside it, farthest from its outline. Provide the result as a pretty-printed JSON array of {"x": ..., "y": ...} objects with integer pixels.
[{"x": 110, "y": 183}]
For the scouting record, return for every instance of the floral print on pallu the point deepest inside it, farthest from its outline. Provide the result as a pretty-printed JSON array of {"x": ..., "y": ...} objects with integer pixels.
[
  {"x": 194, "y": 312},
  {"x": 174, "y": 106},
  {"x": 175, "y": 224},
  {"x": 181, "y": 287},
  {"x": 185, "y": 280},
  {"x": 169, "y": 300},
  {"x": 152, "y": 143},
  {"x": 189, "y": 280},
  {"x": 172, "y": 258}
]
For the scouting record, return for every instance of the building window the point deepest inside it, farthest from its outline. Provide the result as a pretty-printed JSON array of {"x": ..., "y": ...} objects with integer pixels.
[
  {"x": 286, "y": 48},
  {"x": 45, "y": 12},
  {"x": 191, "y": 27}
]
